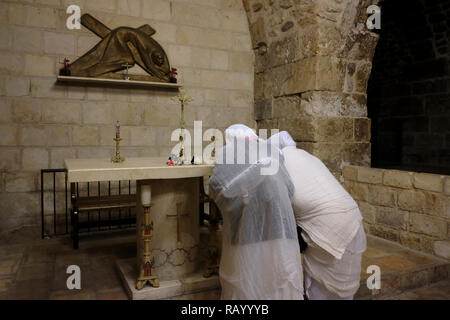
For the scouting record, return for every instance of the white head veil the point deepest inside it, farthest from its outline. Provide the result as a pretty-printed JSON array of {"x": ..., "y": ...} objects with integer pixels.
[
  {"x": 283, "y": 139},
  {"x": 260, "y": 251},
  {"x": 239, "y": 131}
]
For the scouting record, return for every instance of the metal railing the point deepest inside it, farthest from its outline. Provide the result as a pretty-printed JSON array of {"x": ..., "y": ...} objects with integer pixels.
[{"x": 55, "y": 210}]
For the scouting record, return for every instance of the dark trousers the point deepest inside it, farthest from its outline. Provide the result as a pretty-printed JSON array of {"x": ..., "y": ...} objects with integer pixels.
[{"x": 301, "y": 242}]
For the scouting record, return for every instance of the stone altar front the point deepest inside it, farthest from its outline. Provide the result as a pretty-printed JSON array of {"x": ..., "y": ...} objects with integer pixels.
[{"x": 175, "y": 246}]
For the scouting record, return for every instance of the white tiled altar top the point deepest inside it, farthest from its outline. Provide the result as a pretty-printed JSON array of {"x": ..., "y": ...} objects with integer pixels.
[{"x": 89, "y": 170}]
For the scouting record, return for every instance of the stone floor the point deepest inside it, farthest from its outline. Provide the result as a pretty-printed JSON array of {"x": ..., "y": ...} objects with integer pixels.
[{"x": 31, "y": 268}]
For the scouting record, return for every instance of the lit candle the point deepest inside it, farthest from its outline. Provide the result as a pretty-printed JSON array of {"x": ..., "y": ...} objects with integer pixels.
[
  {"x": 146, "y": 194},
  {"x": 117, "y": 130}
]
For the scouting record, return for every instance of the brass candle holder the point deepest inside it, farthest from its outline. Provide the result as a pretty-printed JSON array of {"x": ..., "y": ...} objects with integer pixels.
[
  {"x": 117, "y": 158},
  {"x": 145, "y": 273}
]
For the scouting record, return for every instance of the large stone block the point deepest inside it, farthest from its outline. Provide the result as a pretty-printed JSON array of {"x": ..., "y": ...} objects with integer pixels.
[
  {"x": 362, "y": 129},
  {"x": 219, "y": 59},
  {"x": 142, "y": 136},
  {"x": 19, "y": 204},
  {"x": 42, "y": 17},
  {"x": 350, "y": 173},
  {"x": 232, "y": 20},
  {"x": 258, "y": 33},
  {"x": 61, "y": 112},
  {"x": 180, "y": 55},
  {"x": 101, "y": 5},
  {"x": 59, "y": 43},
  {"x": 362, "y": 77},
  {"x": 58, "y": 136},
  {"x": 27, "y": 39},
  {"x": 5, "y": 37},
  {"x": 428, "y": 225},
  {"x": 129, "y": 7},
  {"x": 358, "y": 191},
  {"x": 333, "y": 129},
  {"x": 370, "y": 175},
  {"x": 382, "y": 196},
  {"x": 46, "y": 88},
  {"x": 33, "y": 136},
  {"x": 287, "y": 107},
  {"x": 165, "y": 32},
  {"x": 128, "y": 113},
  {"x": 85, "y": 136},
  {"x": 242, "y": 61},
  {"x": 156, "y": 9},
  {"x": 202, "y": 16},
  {"x": 437, "y": 204},
  {"x": 447, "y": 185},
  {"x": 330, "y": 73},
  {"x": 34, "y": 159},
  {"x": 241, "y": 42},
  {"x": 392, "y": 217},
  {"x": 9, "y": 159},
  {"x": 192, "y": 36},
  {"x": 58, "y": 155},
  {"x": 411, "y": 200},
  {"x": 299, "y": 77},
  {"x": 97, "y": 113},
  {"x": 368, "y": 212},
  {"x": 425, "y": 181},
  {"x": 95, "y": 152},
  {"x": 41, "y": 66},
  {"x": 20, "y": 182},
  {"x": 398, "y": 179},
  {"x": 301, "y": 128},
  {"x": 442, "y": 249},
  {"x": 8, "y": 135},
  {"x": 11, "y": 63},
  {"x": 26, "y": 110},
  {"x": 17, "y": 87},
  {"x": 385, "y": 232}
]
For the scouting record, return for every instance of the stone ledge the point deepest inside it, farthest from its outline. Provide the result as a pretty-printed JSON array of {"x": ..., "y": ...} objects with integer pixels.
[{"x": 192, "y": 284}]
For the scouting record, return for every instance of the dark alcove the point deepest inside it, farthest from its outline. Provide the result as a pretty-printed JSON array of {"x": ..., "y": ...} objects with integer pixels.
[{"x": 409, "y": 87}]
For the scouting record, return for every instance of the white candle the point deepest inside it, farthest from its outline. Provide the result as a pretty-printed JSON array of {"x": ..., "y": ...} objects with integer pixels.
[{"x": 146, "y": 194}]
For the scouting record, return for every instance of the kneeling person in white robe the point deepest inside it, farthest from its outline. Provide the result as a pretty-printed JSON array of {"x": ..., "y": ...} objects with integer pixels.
[
  {"x": 331, "y": 223},
  {"x": 260, "y": 252}
]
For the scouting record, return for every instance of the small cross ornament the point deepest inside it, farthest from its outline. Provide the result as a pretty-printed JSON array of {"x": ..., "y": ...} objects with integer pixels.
[
  {"x": 178, "y": 216},
  {"x": 126, "y": 65}
]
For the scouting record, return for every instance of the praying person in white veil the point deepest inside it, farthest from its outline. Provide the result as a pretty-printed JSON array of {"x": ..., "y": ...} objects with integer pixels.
[
  {"x": 260, "y": 253},
  {"x": 331, "y": 225}
]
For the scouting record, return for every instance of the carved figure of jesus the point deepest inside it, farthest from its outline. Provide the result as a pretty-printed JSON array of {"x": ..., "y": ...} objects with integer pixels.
[{"x": 119, "y": 47}]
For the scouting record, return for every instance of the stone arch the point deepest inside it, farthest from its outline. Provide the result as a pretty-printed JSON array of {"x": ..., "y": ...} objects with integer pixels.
[{"x": 312, "y": 64}]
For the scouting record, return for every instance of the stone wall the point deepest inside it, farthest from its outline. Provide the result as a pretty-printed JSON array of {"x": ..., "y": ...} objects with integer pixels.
[
  {"x": 313, "y": 60},
  {"x": 409, "y": 89},
  {"x": 410, "y": 208},
  {"x": 42, "y": 122}
]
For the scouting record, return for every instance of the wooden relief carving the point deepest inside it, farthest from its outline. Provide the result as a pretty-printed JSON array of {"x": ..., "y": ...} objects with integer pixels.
[{"x": 119, "y": 49}]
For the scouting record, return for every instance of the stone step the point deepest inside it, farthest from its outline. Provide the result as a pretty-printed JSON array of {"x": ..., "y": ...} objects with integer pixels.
[
  {"x": 401, "y": 269},
  {"x": 436, "y": 291}
]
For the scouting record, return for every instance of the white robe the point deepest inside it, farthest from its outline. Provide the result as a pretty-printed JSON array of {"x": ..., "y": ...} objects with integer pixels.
[
  {"x": 331, "y": 222},
  {"x": 260, "y": 256}
]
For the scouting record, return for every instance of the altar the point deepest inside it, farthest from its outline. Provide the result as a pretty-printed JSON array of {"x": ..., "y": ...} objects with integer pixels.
[{"x": 174, "y": 244}]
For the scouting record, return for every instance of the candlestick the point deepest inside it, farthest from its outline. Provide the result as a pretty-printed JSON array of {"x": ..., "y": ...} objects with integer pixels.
[
  {"x": 146, "y": 195},
  {"x": 146, "y": 274},
  {"x": 117, "y": 158},
  {"x": 117, "y": 130}
]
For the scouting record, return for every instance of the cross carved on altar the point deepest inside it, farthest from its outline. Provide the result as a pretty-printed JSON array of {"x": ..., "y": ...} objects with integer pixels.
[{"x": 178, "y": 216}]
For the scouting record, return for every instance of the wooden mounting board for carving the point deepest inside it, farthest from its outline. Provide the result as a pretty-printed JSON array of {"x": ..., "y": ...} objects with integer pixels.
[{"x": 104, "y": 81}]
